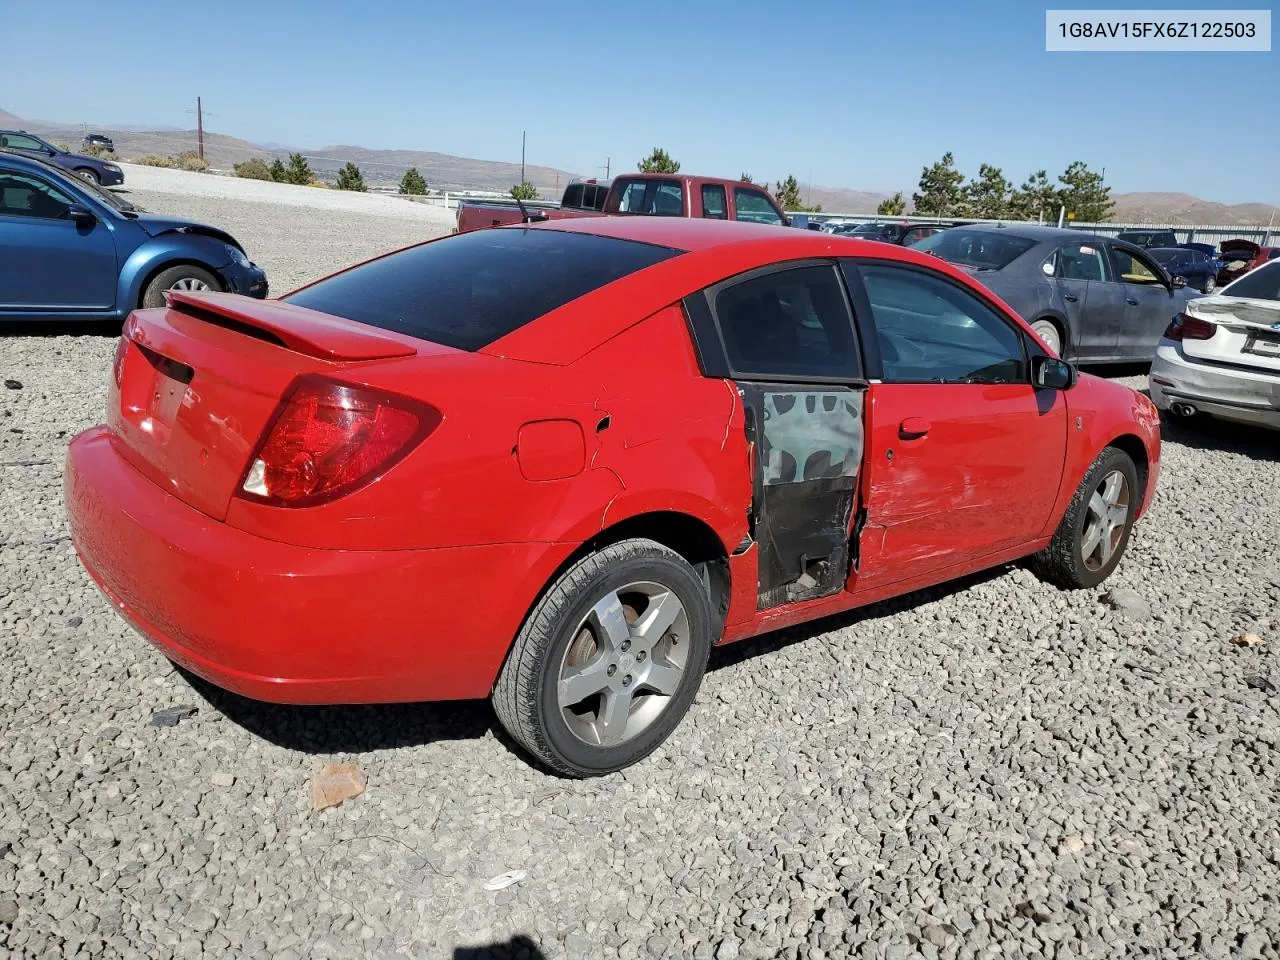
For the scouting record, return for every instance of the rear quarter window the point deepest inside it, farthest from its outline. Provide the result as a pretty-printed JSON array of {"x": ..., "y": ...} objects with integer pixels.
[{"x": 468, "y": 290}]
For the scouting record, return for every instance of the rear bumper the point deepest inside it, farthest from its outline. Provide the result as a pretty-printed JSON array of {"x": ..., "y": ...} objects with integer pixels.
[
  {"x": 289, "y": 624},
  {"x": 1239, "y": 395}
]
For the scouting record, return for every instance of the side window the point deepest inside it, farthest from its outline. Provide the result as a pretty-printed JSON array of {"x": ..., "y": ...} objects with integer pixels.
[
  {"x": 916, "y": 234},
  {"x": 1131, "y": 268},
  {"x": 572, "y": 195},
  {"x": 930, "y": 329},
  {"x": 668, "y": 201},
  {"x": 754, "y": 207},
  {"x": 713, "y": 201},
  {"x": 663, "y": 198},
  {"x": 23, "y": 196},
  {"x": 788, "y": 323},
  {"x": 632, "y": 199},
  {"x": 18, "y": 142},
  {"x": 1083, "y": 261}
]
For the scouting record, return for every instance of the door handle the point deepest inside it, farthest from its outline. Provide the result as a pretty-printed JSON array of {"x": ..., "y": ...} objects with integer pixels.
[
  {"x": 913, "y": 428},
  {"x": 1131, "y": 301},
  {"x": 1071, "y": 296}
]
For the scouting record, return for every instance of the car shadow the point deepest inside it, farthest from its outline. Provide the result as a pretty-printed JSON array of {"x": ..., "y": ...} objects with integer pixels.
[
  {"x": 351, "y": 728},
  {"x": 520, "y": 947},
  {"x": 60, "y": 328},
  {"x": 1222, "y": 436},
  {"x": 734, "y": 653}
]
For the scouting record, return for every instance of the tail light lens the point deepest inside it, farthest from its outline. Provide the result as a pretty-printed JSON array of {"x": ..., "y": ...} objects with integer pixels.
[
  {"x": 1184, "y": 327},
  {"x": 328, "y": 439}
]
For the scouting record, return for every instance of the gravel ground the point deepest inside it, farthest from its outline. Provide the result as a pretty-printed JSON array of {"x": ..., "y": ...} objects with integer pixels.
[{"x": 987, "y": 769}]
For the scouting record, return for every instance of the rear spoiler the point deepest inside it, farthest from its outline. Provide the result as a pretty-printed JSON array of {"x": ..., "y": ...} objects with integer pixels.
[{"x": 304, "y": 331}]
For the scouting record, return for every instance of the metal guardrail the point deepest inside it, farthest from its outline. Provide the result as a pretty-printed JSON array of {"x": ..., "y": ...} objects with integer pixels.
[{"x": 1186, "y": 233}]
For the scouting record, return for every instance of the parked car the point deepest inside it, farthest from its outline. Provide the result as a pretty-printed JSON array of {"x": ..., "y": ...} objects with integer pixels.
[
  {"x": 555, "y": 465},
  {"x": 904, "y": 234},
  {"x": 97, "y": 171},
  {"x": 1149, "y": 239},
  {"x": 1090, "y": 298},
  {"x": 1221, "y": 356},
  {"x": 97, "y": 141},
  {"x": 1208, "y": 249},
  {"x": 71, "y": 249},
  {"x": 650, "y": 194},
  {"x": 1194, "y": 266},
  {"x": 1239, "y": 256}
]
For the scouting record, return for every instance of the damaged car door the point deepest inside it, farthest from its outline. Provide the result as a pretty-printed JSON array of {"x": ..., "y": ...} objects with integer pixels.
[
  {"x": 788, "y": 344},
  {"x": 964, "y": 454}
]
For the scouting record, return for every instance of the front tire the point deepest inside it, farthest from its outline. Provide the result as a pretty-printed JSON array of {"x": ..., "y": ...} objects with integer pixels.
[
  {"x": 1094, "y": 532},
  {"x": 1047, "y": 330},
  {"x": 91, "y": 175},
  {"x": 185, "y": 276},
  {"x": 608, "y": 661}
]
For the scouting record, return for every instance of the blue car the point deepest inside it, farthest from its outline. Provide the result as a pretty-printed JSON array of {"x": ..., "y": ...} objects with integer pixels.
[
  {"x": 70, "y": 249},
  {"x": 1198, "y": 268},
  {"x": 88, "y": 168}
]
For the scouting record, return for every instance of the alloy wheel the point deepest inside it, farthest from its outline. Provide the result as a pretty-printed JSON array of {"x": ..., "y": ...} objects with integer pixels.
[
  {"x": 189, "y": 283},
  {"x": 1106, "y": 517},
  {"x": 624, "y": 663}
]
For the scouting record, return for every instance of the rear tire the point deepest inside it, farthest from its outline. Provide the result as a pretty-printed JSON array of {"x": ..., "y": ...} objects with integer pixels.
[
  {"x": 185, "y": 276},
  {"x": 608, "y": 661},
  {"x": 1094, "y": 532},
  {"x": 1048, "y": 331}
]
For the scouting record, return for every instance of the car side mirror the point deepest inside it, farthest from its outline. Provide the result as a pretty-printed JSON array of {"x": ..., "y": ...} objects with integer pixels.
[
  {"x": 1050, "y": 373},
  {"x": 1179, "y": 282},
  {"x": 80, "y": 214}
]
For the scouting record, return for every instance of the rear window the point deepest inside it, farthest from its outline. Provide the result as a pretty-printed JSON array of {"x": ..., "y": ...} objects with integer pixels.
[
  {"x": 1260, "y": 284},
  {"x": 981, "y": 249},
  {"x": 469, "y": 290}
]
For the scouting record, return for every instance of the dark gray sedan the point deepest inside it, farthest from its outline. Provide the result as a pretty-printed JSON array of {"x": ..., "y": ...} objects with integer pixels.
[{"x": 1093, "y": 299}]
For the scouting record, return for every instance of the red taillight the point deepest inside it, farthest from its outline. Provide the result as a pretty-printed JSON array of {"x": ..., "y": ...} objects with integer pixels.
[
  {"x": 1184, "y": 327},
  {"x": 329, "y": 438}
]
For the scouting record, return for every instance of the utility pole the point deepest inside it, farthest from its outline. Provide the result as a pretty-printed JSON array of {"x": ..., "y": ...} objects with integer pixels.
[
  {"x": 200, "y": 126},
  {"x": 607, "y": 161},
  {"x": 522, "y": 180}
]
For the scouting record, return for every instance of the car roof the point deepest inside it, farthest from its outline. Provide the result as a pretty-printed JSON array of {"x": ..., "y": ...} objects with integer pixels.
[
  {"x": 1031, "y": 231},
  {"x": 30, "y": 164}
]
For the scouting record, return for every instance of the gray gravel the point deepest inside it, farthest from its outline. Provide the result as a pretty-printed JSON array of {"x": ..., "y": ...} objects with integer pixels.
[{"x": 991, "y": 769}]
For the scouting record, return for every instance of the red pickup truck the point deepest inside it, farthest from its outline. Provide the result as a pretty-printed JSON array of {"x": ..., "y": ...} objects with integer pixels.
[{"x": 652, "y": 194}]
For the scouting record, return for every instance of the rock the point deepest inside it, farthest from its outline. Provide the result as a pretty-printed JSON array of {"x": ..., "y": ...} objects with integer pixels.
[
  {"x": 172, "y": 716},
  {"x": 13, "y": 385},
  {"x": 109, "y": 733},
  {"x": 75, "y": 621},
  {"x": 335, "y": 784},
  {"x": 728, "y": 949},
  {"x": 1246, "y": 640},
  {"x": 1071, "y": 844},
  {"x": 222, "y": 779},
  {"x": 1127, "y": 602},
  {"x": 1260, "y": 683},
  {"x": 8, "y": 912}
]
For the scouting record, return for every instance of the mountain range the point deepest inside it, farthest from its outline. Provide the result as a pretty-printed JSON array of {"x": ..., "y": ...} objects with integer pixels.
[{"x": 447, "y": 172}]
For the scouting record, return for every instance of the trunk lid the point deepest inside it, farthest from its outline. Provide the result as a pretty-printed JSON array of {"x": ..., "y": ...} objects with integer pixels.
[
  {"x": 1248, "y": 332},
  {"x": 196, "y": 384}
]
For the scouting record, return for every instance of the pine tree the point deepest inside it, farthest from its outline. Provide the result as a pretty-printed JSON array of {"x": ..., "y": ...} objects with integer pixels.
[
  {"x": 278, "y": 173},
  {"x": 658, "y": 162},
  {"x": 350, "y": 178},
  {"x": 1036, "y": 199},
  {"x": 941, "y": 192},
  {"x": 1085, "y": 195},
  {"x": 988, "y": 196},
  {"x": 524, "y": 191},
  {"x": 788, "y": 195},
  {"x": 298, "y": 171},
  {"x": 412, "y": 184},
  {"x": 893, "y": 206},
  {"x": 746, "y": 178}
]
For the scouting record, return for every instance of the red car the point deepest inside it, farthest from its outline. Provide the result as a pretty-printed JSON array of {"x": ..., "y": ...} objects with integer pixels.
[{"x": 555, "y": 465}]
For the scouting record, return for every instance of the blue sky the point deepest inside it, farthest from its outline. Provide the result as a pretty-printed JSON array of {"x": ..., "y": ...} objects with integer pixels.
[{"x": 852, "y": 93}]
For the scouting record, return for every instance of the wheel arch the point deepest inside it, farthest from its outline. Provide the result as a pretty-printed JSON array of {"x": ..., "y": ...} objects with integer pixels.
[
  {"x": 134, "y": 282},
  {"x": 1131, "y": 445}
]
